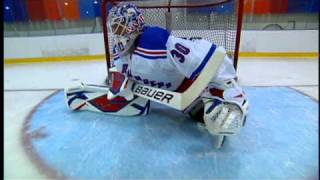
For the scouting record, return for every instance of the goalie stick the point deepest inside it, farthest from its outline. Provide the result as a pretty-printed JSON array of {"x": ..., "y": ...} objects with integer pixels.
[
  {"x": 180, "y": 101},
  {"x": 176, "y": 100}
]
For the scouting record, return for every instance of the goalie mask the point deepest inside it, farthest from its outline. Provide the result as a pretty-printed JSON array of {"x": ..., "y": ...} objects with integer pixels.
[{"x": 125, "y": 23}]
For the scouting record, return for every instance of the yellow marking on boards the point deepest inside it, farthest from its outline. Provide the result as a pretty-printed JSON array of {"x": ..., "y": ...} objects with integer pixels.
[
  {"x": 54, "y": 59},
  {"x": 287, "y": 55}
]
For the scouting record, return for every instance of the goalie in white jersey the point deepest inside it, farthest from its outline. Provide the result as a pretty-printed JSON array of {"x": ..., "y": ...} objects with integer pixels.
[{"x": 153, "y": 57}]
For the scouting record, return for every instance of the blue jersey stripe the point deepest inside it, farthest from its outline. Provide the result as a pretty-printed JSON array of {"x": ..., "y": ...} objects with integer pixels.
[
  {"x": 204, "y": 62},
  {"x": 150, "y": 57}
]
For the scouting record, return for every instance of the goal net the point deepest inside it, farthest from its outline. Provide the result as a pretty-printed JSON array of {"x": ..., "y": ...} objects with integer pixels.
[{"x": 218, "y": 21}]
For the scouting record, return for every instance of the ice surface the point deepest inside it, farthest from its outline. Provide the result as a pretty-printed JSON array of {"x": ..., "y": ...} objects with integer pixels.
[
  {"x": 292, "y": 149},
  {"x": 279, "y": 142}
]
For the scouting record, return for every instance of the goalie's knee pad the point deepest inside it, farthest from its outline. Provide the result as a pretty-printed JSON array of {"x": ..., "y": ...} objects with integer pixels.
[
  {"x": 116, "y": 106},
  {"x": 76, "y": 95},
  {"x": 94, "y": 98},
  {"x": 120, "y": 106}
]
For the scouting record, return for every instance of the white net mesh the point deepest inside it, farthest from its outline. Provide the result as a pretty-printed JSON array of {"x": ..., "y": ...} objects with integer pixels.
[{"x": 213, "y": 20}]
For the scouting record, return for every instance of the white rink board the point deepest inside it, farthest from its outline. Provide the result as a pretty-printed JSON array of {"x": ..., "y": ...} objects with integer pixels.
[{"x": 93, "y": 44}]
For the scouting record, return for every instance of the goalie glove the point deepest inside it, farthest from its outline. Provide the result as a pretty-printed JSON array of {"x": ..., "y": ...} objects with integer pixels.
[
  {"x": 121, "y": 86},
  {"x": 225, "y": 110}
]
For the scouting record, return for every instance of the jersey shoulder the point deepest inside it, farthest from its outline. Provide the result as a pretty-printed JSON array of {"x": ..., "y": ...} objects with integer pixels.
[{"x": 154, "y": 38}]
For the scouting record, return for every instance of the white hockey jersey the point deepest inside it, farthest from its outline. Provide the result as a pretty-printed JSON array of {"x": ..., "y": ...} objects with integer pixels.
[{"x": 162, "y": 60}]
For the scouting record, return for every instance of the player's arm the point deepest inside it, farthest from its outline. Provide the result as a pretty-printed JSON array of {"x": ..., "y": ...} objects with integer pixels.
[
  {"x": 190, "y": 57},
  {"x": 225, "y": 104}
]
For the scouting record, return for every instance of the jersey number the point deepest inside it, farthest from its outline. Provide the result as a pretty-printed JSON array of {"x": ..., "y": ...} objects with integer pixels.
[{"x": 179, "y": 52}]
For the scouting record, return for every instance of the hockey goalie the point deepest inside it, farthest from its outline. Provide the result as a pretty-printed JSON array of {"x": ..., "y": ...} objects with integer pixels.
[{"x": 148, "y": 63}]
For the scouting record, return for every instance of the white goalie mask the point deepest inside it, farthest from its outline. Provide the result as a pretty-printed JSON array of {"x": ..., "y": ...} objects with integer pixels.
[{"x": 125, "y": 22}]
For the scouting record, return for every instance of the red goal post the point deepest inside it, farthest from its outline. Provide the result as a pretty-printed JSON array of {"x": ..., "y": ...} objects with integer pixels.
[{"x": 219, "y": 21}]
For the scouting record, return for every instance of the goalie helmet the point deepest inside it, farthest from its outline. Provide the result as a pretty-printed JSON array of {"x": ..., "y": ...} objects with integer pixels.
[{"x": 125, "y": 22}]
